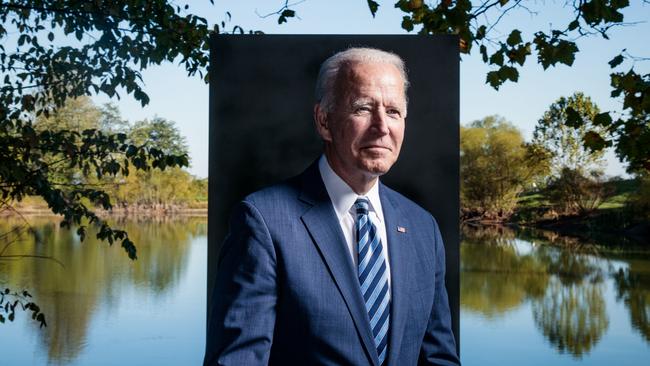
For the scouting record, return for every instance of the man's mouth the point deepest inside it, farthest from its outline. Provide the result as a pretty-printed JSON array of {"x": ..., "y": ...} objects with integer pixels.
[{"x": 376, "y": 147}]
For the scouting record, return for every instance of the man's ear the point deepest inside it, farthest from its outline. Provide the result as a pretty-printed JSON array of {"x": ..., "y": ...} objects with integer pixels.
[{"x": 322, "y": 125}]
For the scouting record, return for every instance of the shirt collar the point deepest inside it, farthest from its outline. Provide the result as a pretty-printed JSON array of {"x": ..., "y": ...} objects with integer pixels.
[{"x": 342, "y": 196}]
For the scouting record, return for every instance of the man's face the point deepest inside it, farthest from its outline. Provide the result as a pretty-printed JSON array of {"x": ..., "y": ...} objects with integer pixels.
[{"x": 364, "y": 132}]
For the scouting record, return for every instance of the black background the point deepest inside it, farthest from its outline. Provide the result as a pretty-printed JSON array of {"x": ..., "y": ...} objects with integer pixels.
[{"x": 262, "y": 129}]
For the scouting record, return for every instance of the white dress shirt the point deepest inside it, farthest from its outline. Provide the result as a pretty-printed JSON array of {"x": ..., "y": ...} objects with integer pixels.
[{"x": 343, "y": 198}]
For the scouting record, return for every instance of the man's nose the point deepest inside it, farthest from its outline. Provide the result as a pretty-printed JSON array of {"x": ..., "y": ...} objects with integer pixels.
[{"x": 380, "y": 121}]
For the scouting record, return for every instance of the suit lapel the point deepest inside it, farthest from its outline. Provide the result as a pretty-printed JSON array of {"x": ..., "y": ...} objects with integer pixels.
[
  {"x": 399, "y": 253},
  {"x": 322, "y": 223}
]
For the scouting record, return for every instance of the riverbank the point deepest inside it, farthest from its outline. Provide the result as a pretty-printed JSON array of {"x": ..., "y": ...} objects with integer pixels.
[
  {"x": 614, "y": 226},
  {"x": 32, "y": 206}
]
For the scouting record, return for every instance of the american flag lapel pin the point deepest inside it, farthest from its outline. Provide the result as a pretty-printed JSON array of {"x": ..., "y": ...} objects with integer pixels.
[{"x": 401, "y": 229}]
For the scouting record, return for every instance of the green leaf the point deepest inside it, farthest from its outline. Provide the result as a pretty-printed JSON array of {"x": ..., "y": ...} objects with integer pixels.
[
  {"x": 407, "y": 23},
  {"x": 497, "y": 58},
  {"x": 594, "y": 141},
  {"x": 288, "y": 13},
  {"x": 508, "y": 73},
  {"x": 480, "y": 32},
  {"x": 514, "y": 38},
  {"x": 573, "y": 25},
  {"x": 602, "y": 119},
  {"x": 493, "y": 79},
  {"x": 50, "y": 36},
  {"x": 566, "y": 51},
  {"x": 616, "y": 61},
  {"x": 373, "y": 6},
  {"x": 484, "y": 55},
  {"x": 573, "y": 118}
]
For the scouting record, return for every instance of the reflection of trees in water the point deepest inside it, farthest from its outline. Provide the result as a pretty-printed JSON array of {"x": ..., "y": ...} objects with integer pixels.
[
  {"x": 95, "y": 274},
  {"x": 571, "y": 268},
  {"x": 564, "y": 287},
  {"x": 572, "y": 317},
  {"x": 633, "y": 287},
  {"x": 495, "y": 277}
]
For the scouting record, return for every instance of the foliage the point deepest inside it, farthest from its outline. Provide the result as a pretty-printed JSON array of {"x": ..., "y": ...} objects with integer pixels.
[
  {"x": 496, "y": 165},
  {"x": 159, "y": 133},
  {"x": 572, "y": 192},
  {"x": 155, "y": 188},
  {"x": 630, "y": 132},
  {"x": 475, "y": 22},
  {"x": 8, "y": 307},
  {"x": 150, "y": 188},
  {"x": 558, "y": 132},
  {"x": 640, "y": 200},
  {"x": 112, "y": 42}
]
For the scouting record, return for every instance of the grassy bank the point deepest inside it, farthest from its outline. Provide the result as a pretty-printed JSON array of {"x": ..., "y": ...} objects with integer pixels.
[{"x": 614, "y": 219}]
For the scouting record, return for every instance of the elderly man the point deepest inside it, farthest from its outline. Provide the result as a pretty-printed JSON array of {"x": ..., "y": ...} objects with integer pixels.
[{"x": 331, "y": 267}]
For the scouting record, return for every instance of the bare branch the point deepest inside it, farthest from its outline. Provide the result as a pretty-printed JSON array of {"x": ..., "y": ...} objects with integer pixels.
[
  {"x": 21, "y": 256},
  {"x": 286, "y": 6}
]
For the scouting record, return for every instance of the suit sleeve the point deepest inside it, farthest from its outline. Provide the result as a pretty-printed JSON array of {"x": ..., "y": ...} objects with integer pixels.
[
  {"x": 439, "y": 345},
  {"x": 242, "y": 316}
]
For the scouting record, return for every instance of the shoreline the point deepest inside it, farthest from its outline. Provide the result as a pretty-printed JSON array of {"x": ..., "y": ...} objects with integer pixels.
[{"x": 120, "y": 212}]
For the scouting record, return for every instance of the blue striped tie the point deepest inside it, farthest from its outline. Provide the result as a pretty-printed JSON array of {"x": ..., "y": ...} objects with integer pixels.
[{"x": 373, "y": 277}]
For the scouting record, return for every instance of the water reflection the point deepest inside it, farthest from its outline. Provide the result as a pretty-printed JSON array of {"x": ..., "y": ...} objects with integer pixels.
[
  {"x": 495, "y": 277},
  {"x": 93, "y": 275},
  {"x": 572, "y": 317},
  {"x": 564, "y": 287},
  {"x": 633, "y": 287}
]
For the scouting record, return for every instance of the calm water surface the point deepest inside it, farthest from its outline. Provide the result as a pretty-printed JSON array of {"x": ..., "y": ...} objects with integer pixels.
[
  {"x": 525, "y": 300},
  {"x": 547, "y": 300},
  {"x": 104, "y": 309}
]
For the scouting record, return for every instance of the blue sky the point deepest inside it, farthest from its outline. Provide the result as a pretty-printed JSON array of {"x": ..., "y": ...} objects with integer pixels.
[{"x": 185, "y": 100}]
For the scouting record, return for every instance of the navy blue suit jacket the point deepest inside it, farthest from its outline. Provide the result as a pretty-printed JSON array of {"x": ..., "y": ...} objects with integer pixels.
[{"x": 287, "y": 292}]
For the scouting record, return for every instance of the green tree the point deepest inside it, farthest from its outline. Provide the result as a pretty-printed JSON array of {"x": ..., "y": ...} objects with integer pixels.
[
  {"x": 161, "y": 134},
  {"x": 573, "y": 192},
  {"x": 155, "y": 189},
  {"x": 564, "y": 139},
  {"x": 495, "y": 166},
  {"x": 111, "y": 120},
  {"x": 113, "y": 42}
]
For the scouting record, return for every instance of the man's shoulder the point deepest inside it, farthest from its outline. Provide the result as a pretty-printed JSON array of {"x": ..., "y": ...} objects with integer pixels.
[{"x": 282, "y": 191}]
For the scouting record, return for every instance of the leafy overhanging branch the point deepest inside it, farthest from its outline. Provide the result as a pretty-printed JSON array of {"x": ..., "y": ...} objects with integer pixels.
[
  {"x": 8, "y": 307},
  {"x": 116, "y": 40},
  {"x": 475, "y": 25}
]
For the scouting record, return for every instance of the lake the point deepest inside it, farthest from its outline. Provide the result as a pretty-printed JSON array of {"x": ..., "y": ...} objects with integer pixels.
[{"x": 526, "y": 298}]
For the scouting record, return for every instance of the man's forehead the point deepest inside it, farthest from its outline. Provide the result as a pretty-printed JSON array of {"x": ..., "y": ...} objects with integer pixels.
[{"x": 355, "y": 69}]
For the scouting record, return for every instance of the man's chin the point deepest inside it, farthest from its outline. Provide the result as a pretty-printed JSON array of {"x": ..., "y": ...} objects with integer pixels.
[{"x": 377, "y": 168}]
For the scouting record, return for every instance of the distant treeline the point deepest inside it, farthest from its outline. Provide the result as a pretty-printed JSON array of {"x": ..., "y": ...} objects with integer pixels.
[
  {"x": 552, "y": 177},
  {"x": 153, "y": 189}
]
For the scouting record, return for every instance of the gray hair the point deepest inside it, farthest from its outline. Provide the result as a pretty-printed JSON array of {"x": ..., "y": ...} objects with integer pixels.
[{"x": 325, "y": 83}]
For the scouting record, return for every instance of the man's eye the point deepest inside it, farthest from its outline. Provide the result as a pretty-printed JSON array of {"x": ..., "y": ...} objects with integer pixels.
[
  {"x": 395, "y": 112},
  {"x": 363, "y": 109}
]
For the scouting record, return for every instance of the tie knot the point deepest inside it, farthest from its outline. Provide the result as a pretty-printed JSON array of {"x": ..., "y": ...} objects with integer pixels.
[{"x": 362, "y": 204}]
